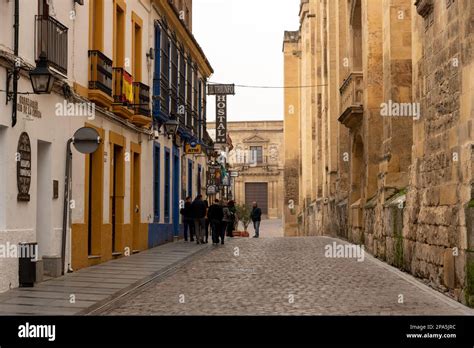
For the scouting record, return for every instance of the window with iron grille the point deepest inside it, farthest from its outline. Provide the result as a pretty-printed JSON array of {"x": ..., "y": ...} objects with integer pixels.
[
  {"x": 195, "y": 100},
  {"x": 165, "y": 72},
  {"x": 174, "y": 77},
  {"x": 182, "y": 87},
  {"x": 157, "y": 72},
  {"x": 189, "y": 91},
  {"x": 256, "y": 154}
]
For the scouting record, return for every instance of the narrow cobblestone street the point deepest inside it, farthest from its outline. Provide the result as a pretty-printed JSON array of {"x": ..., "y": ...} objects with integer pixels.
[{"x": 285, "y": 276}]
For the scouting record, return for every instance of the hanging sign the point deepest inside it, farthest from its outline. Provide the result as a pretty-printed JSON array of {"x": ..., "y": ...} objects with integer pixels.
[
  {"x": 192, "y": 148},
  {"x": 220, "y": 89},
  {"x": 221, "y": 119},
  {"x": 211, "y": 190}
]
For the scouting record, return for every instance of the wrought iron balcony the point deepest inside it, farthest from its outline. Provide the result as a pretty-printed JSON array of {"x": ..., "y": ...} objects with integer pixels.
[
  {"x": 51, "y": 38},
  {"x": 141, "y": 105},
  {"x": 100, "y": 72},
  {"x": 352, "y": 97},
  {"x": 122, "y": 87},
  {"x": 141, "y": 94},
  {"x": 122, "y": 83}
]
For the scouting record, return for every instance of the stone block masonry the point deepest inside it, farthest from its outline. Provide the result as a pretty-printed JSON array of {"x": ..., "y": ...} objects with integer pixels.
[{"x": 401, "y": 185}]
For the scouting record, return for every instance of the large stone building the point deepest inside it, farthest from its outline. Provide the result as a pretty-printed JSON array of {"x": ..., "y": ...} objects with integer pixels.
[
  {"x": 257, "y": 156},
  {"x": 384, "y": 117},
  {"x": 124, "y": 68}
]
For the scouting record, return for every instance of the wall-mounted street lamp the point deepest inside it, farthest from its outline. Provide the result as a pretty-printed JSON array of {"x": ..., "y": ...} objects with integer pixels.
[
  {"x": 171, "y": 127},
  {"x": 42, "y": 79}
]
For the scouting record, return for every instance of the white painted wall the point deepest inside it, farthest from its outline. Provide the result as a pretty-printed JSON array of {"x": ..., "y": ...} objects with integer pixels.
[{"x": 19, "y": 220}]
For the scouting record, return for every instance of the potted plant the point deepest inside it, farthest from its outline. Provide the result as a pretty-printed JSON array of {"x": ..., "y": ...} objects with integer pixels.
[{"x": 243, "y": 215}]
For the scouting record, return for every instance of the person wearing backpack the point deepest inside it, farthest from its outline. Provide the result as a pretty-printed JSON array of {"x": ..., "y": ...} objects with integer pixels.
[{"x": 256, "y": 216}]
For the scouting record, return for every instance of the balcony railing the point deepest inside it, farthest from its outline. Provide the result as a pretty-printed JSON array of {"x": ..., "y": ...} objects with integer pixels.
[
  {"x": 141, "y": 93},
  {"x": 122, "y": 87},
  {"x": 100, "y": 72},
  {"x": 51, "y": 38},
  {"x": 352, "y": 97}
]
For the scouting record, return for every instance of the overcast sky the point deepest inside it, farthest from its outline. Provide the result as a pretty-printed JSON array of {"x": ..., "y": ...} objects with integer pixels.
[{"x": 243, "y": 41}]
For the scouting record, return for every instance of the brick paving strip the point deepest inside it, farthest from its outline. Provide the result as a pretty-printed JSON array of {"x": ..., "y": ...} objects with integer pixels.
[{"x": 96, "y": 286}]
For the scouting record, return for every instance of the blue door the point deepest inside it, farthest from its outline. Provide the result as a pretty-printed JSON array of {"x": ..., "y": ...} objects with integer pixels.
[{"x": 176, "y": 183}]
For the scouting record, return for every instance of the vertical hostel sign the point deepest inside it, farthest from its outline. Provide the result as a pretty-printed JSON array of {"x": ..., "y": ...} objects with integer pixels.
[
  {"x": 221, "y": 91},
  {"x": 221, "y": 119}
]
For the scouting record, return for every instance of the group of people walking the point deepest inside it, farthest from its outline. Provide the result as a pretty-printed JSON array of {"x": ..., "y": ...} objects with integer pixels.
[{"x": 220, "y": 217}]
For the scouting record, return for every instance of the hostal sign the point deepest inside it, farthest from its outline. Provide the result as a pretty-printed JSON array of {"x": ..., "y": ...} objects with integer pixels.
[
  {"x": 221, "y": 119},
  {"x": 23, "y": 167}
]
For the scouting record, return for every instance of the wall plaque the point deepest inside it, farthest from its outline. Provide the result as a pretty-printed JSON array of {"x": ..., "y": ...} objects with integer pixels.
[{"x": 23, "y": 167}]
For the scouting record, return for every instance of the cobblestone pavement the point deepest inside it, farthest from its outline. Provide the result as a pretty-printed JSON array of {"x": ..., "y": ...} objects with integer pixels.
[{"x": 285, "y": 276}]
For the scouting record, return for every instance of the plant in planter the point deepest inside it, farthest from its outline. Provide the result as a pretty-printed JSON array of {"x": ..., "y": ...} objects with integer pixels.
[{"x": 243, "y": 215}]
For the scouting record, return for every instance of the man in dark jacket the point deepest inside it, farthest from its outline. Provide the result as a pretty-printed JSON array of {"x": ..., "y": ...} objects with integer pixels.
[
  {"x": 188, "y": 221},
  {"x": 198, "y": 209},
  {"x": 215, "y": 215},
  {"x": 256, "y": 216}
]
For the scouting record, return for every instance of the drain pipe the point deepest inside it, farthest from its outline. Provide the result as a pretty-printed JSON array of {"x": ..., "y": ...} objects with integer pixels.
[
  {"x": 66, "y": 203},
  {"x": 16, "y": 69}
]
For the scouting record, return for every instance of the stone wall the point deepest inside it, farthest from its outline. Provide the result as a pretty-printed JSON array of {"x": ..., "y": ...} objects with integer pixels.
[
  {"x": 436, "y": 237},
  {"x": 400, "y": 185}
]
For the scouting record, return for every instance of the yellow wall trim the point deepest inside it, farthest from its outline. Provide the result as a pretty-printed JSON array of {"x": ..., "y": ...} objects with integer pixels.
[
  {"x": 96, "y": 25},
  {"x": 137, "y": 37},
  {"x": 81, "y": 90}
]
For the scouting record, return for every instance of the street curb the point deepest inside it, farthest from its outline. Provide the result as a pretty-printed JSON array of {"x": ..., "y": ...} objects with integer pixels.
[{"x": 105, "y": 304}]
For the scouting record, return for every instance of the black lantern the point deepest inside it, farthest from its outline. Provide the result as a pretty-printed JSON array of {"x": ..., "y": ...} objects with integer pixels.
[
  {"x": 42, "y": 80},
  {"x": 171, "y": 127}
]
